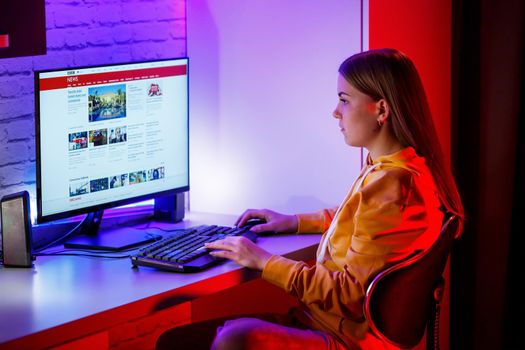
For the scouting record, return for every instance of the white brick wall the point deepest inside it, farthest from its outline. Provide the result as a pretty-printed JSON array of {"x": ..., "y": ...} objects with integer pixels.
[{"x": 79, "y": 33}]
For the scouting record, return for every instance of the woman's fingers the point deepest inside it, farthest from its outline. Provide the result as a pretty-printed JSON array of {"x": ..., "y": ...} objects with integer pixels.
[
  {"x": 262, "y": 228},
  {"x": 218, "y": 244},
  {"x": 275, "y": 221},
  {"x": 243, "y": 218},
  {"x": 250, "y": 214},
  {"x": 228, "y": 243},
  {"x": 241, "y": 250},
  {"x": 223, "y": 254}
]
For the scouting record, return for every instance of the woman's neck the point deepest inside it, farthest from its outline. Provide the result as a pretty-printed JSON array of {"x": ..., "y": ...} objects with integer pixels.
[{"x": 384, "y": 147}]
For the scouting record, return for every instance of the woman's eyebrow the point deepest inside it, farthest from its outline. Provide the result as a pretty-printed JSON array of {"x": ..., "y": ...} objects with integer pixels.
[{"x": 340, "y": 94}]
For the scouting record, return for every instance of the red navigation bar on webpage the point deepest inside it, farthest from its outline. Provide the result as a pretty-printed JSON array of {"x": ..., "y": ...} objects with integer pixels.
[{"x": 110, "y": 77}]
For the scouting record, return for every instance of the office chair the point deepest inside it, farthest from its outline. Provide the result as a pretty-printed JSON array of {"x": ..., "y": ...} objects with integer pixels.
[{"x": 404, "y": 299}]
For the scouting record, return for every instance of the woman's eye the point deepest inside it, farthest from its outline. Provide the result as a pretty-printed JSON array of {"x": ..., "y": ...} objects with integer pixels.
[{"x": 343, "y": 101}]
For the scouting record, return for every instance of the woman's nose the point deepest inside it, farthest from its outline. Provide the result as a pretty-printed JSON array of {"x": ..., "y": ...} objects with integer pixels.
[{"x": 336, "y": 114}]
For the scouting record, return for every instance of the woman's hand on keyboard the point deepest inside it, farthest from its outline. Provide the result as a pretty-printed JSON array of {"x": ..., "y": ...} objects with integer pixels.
[
  {"x": 241, "y": 250},
  {"x": 275, "y": 222}
]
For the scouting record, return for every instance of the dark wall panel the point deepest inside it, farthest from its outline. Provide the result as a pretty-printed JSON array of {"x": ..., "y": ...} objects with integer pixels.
[{"x": 25, "y": 24}]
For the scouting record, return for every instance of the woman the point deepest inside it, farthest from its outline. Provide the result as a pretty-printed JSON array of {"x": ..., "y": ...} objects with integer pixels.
[{"x": 395, "y": 207}]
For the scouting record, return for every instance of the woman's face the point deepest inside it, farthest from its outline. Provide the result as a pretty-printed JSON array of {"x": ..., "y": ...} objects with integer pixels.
[{"x": 357, "y": 114}]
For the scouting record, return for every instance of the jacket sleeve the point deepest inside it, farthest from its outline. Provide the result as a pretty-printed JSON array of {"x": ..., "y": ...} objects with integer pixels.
[
  {"x": 315, "y": 222},
  {"x": 384, "y": 225}
]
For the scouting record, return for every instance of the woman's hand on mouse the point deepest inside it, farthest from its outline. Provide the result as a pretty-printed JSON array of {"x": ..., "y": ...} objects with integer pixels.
[
  {"x": 241, "y": 250},
  {"x": 276, "y": 222}
]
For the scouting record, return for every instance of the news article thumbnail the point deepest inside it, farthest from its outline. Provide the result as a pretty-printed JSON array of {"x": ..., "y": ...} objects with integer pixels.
[
  {"x": 118, "y": 181},
  {"x": 137, "y": 177},
  {"x": 98, "y": 137},
  {"x": 117, "y": 135},
  {"x": 78, "y": 140},
  {"x": 78, "y": 187},
  {"x": 154, "y": 90},
  {"x": 155, "y": 174},
  {"x": 107, "y": 102},
  {"x": 98, "y": 185}
]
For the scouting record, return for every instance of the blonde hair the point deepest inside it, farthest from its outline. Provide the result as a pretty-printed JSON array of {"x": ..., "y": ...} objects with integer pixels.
[{"x": 389, "y": 74}]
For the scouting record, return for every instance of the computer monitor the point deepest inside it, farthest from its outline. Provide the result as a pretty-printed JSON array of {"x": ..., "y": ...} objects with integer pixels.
[{"x": 110, "y": 135}]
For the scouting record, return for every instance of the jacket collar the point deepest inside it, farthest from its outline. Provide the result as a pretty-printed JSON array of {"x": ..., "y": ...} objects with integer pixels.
[{"x": 400, "y": 157}]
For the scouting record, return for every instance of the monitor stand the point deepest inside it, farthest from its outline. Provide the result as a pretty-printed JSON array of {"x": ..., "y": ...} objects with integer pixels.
[{"x": 93, "y": 238}]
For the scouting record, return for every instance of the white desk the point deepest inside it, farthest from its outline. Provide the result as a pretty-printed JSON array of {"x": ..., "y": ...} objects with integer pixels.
[{"x": 69, "y": 297}]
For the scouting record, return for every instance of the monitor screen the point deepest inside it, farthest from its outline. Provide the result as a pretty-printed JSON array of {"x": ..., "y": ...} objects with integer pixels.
[{"x": 110, "y": 135}]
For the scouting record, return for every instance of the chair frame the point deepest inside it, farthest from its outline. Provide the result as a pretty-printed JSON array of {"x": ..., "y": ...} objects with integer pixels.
[{"x": 427, "y": 298}]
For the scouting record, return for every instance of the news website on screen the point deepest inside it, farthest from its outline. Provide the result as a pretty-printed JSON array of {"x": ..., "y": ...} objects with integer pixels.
[{"x": 111, "y": 133}]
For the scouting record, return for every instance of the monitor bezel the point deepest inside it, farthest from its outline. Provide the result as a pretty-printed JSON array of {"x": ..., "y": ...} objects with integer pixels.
[{"x": 71, "y": 213}]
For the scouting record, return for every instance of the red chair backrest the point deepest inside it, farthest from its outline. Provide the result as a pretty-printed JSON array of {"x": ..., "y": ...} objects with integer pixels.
[{"x": 399, "y": 300}]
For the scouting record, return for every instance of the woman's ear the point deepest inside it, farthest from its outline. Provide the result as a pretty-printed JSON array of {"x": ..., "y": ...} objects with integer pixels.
[{"x": 383, "y": 112}]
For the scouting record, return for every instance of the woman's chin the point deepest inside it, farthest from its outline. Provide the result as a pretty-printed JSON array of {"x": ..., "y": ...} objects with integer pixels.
[{"x": 351, "y": 143}]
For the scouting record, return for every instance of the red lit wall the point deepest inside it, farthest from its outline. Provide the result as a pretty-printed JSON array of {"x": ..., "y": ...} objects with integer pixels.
[{"x": 423, "y": 31}]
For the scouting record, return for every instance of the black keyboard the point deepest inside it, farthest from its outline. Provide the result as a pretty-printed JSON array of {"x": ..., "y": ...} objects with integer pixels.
[{"x": 184, "y": 251}]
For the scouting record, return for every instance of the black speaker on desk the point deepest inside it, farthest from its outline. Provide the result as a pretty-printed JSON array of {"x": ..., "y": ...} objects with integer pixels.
[
  {"x": 16, "y": 230},
  {"x": 169, "y": 208}
]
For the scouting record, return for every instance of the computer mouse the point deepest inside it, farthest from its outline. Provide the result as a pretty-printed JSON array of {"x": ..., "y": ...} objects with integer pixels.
[
  {"x": 258, "y": 221},
  {"x": 254, "y": 221}
]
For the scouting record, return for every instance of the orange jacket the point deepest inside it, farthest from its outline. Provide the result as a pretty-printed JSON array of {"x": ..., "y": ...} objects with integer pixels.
[{"x": 391, "y": 211}]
